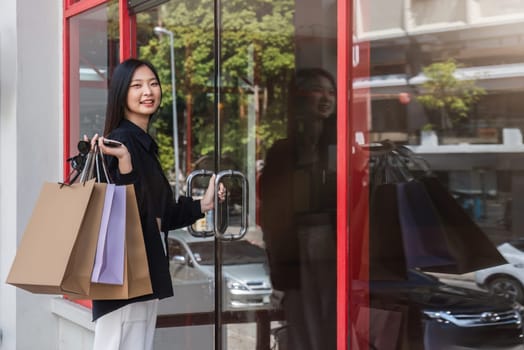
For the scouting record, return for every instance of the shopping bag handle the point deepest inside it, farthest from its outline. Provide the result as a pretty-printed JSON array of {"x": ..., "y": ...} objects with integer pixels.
[
  {"x": 94, "y": 158},
  {"x": 104, "y": 166},
  {"x": 84, "y": 165}
]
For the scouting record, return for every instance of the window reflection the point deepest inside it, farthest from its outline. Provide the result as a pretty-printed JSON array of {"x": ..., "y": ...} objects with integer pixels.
[
  {"x": 493, "y": 120},
  {"x": 472, "y": 145}
]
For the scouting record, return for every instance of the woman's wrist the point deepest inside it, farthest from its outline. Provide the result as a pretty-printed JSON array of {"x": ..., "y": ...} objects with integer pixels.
[
  {"x": 124, "y": 163},
  {"x": 205, "y": 206}
]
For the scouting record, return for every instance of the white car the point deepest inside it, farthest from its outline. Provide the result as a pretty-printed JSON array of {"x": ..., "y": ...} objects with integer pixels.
[{"x": 507, "y": 279}]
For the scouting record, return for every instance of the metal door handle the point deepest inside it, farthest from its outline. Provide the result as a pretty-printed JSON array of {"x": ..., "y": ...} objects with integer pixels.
[
  {"x": 220, "y": 230},
  {"x": 189, "y": 184}
]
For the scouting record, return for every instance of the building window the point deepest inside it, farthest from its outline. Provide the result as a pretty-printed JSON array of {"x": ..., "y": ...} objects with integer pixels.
[{"x": 427, "y": 12}]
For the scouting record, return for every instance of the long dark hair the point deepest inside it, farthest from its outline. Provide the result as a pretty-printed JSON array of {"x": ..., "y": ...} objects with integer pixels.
[{"x": 118, "y": 88}]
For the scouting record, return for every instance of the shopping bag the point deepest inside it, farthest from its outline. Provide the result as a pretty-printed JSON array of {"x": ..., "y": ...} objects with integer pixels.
[
  {"x": 467, "y": 247},
  {"x": 56, "y": 253},
  {"x": 386, "y": 252},
  {"x": 137, "y": 281},
  {"x": 395, "y": 324},
  {"x": 467, "y": 243},
  {"x": 423, "y": 237},
  {"x": 384, "y": 328},
  {"x": 109, "y": 259}
]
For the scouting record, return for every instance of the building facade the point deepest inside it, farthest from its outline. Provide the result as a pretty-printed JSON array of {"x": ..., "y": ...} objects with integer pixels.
[{"x": 295, "y": 96}]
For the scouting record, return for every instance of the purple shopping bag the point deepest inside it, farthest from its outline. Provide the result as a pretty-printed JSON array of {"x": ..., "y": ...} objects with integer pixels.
[
  {"x": 425, "y": 243},
  {"x": 467, "y": 242},
  {"x": 109, "y": 260}
]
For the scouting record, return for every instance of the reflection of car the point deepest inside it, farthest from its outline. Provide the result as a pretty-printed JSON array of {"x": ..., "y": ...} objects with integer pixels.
[
  {"x": 244, "y": 268},
  {"x": 507, "y": 279},
  {"x": 433, "y": 315}
]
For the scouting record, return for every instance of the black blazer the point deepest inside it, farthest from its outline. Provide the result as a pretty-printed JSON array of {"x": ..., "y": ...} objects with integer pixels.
[{"x": 155, "y": 200}]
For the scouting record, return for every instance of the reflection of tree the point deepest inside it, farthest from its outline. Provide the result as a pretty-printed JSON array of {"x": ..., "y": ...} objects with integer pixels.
[
  {"x": 451, "y": 97},
  {"x": 113, "y": 27},
  {"x": 257, "y": 53},
  {"x": 165, "y": 145}
]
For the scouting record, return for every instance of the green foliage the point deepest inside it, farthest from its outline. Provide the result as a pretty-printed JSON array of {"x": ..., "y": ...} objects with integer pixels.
[
  {"x": 257, "y": 50},
  {"x": 204, "y": 132},
  {"x": 428, "y": 127},
  {"x": 444, "y": 92},
  {"x": 269, "y": 132},
  {"x": 159, "y": 131}
]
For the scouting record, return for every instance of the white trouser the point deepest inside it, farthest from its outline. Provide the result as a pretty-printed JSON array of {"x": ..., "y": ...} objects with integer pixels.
[{"x": 131, "y": 327}]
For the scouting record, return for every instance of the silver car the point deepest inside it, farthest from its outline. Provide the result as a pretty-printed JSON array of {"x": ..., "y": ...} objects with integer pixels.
[{"x": 244, "y": 269}]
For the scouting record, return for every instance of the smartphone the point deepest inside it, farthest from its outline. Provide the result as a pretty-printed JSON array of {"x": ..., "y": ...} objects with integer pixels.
[{"x": 112, "y": 143}]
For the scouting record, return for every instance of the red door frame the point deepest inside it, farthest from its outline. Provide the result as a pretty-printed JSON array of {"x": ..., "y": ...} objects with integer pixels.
[
  {"x": 70, "y": 57},
  {"x": 344, "y": 44},
  {"x": 348, "y": 256},
  {"x": 127, "y": 49},
  {"x": 352, "y": 177}
]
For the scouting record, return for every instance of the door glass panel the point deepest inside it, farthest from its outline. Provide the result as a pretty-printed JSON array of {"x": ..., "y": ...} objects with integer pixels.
[
  {"x": 186, "y": 321},
  {"x": 273, "y": 122},
  {"x": 445, "y": 127},
  {"x": 93, "y": 51},
  {"x": 278, "y": 125}
]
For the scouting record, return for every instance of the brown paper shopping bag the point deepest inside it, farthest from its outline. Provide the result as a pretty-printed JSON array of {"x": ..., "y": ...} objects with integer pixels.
[
  {"x": 137, "y": 281},
  {"x": 56, "y": 253}
]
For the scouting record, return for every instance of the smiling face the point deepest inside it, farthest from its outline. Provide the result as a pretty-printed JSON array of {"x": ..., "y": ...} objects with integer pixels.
[
  {"x": 143, "y": 96},
  {"x": 318, "y": 97}
]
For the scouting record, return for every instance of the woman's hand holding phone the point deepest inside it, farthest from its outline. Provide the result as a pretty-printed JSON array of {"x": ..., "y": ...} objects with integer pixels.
[
  {"x": 111, "y": 143},
  {"x": 113, "y": 148}
]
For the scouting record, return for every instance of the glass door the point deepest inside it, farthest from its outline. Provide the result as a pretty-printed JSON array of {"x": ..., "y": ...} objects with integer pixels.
[
  {"x": 254, "y": 95},
  {"x": 277, "y": 124}
]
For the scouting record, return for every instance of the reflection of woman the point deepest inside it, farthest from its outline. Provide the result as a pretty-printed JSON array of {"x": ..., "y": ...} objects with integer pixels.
[{"x": 298, "y": 191}]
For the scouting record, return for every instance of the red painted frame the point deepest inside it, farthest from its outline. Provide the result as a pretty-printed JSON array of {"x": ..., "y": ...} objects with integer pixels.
[
  {"x": 127, "y": 32},
  {"x": 70, "y": 9},
  {"x": 352, "y": 176},
  {"x": 74, "y": 8},
  {"x": 66, "y": 88},
  {"x": 344, "y": 44},
  {"x": 127, "y": 49}
]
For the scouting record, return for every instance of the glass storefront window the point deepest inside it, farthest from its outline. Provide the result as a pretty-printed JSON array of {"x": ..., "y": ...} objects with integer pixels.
[
  {"x": 425, "y": 12},
  {"x": 444, "y": 90},
  {"x": 94, "y": 43}
]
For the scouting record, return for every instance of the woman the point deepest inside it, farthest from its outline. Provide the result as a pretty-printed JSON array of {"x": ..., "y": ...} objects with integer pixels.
[
  {"x": 134, "y": 96},
  {"x": 298, "y": 186}
]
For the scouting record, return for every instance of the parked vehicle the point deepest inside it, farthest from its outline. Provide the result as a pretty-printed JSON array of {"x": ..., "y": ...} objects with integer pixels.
[
  {"x": 506, "y": 280},
  {"x": 431, "y": 315},
  {"x": 244, "y": 269}
]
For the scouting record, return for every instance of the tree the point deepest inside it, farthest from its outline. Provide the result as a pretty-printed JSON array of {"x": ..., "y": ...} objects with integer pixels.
[
  {"x": 257, "y": 53},
  {"x": 445, "y": 93}
]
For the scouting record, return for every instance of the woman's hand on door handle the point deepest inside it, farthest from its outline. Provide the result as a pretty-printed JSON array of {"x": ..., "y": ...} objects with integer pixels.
[{"x": 208, "y": 200}]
